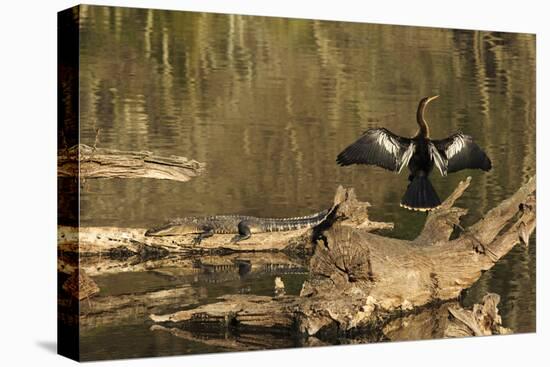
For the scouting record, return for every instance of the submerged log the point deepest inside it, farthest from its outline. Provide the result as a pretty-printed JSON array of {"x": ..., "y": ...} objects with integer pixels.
[
  {"x": 361, "y": 279},
  {"x": 448, "y": 320},
  {"x": 109, "y": 310},
  {"x": 87, "y": 162},
  {"x": 482, "y": 320}
]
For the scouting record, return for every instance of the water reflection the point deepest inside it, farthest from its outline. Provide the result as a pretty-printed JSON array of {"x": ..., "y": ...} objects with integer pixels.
[{"x": 268, "y": 103}]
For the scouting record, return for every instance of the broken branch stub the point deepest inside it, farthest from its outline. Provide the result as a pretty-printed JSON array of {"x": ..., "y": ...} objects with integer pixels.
[{"x": 482, "y": 320}]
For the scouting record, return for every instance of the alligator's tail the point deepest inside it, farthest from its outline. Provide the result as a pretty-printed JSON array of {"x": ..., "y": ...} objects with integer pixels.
[
  {"x": 420, "y": 195},
  {"x": 290, "y": 224}
]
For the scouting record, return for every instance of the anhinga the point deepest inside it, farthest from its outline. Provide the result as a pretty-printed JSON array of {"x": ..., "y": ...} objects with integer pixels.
[{"x": 382, "y": 148}]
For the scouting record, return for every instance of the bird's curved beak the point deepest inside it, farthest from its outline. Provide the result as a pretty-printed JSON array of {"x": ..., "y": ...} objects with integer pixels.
[{"x": 432, "y": 98}]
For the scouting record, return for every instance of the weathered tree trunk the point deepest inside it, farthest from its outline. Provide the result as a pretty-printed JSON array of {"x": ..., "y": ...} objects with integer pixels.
[
  {"x": 361, "y": 279},
  {"x": 87, "y": 162}
]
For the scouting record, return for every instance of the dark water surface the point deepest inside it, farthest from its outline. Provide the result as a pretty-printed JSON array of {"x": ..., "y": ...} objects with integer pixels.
[{"x": 267, "y": 104}]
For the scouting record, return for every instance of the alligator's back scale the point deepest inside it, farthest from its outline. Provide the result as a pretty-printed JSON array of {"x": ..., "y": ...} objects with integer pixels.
[{"x": 242, "y": 225}]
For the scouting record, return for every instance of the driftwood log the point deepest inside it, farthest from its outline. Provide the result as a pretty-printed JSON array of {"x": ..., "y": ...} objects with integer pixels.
[
  {"x": 88, "y": 162},
  {"x": 361, "y": 280}
]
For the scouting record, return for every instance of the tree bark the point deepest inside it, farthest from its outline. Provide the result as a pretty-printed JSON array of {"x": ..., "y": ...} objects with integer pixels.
[
  {"x": 87, "y": 162},
  {"x": 362, "y": 279}
]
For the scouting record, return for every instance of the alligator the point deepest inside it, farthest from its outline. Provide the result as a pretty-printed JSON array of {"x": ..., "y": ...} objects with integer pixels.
[{"x": 243, "y": 226}]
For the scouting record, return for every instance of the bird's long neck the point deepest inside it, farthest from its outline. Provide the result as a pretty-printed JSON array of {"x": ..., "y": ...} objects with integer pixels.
[{"x": 424, "y": 130}]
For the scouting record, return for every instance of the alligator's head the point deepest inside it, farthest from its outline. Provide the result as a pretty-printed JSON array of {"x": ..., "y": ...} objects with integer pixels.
[{"x": 157, "y": 231}]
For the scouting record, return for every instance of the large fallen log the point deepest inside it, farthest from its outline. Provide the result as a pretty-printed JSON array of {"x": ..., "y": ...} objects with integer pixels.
[
  {"x": 361, "y": 279},
  {"x": 87, "y": 162},
  {"x": 104, "y": 240}
]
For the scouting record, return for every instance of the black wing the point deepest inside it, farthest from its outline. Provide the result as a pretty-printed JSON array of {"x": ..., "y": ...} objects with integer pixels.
[
  {"x": 379, "y": 147},
  {"x": 460, "y": 152}
]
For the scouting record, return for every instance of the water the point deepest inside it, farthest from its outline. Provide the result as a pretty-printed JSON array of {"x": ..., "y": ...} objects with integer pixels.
[{"x": 267, "y": 104}]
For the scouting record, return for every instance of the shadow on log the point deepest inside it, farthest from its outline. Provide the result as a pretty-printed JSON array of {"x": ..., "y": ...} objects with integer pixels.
[
  {"x": 361, "y": 280},
  {"x": 111, "y": 163}
]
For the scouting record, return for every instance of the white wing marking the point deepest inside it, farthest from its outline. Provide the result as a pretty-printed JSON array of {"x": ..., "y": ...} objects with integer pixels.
[
  {"x": 388, "y": 143},
  {"x": 456, "y": 146},
  {"x": 438, "y": 160},
  {"x": 406, "y": 157}
]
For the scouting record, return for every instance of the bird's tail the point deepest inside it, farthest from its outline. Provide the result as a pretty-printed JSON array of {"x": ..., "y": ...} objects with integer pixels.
[{"x": 420, "y": 195}]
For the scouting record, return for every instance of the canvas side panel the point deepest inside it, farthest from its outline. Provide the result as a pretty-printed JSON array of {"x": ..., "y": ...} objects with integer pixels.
[{"x": 67, "y": 187}]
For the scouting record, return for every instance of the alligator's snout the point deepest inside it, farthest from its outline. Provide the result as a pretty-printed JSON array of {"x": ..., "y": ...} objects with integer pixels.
[
  {"x": 150, "y": 232},
  {"x": 163, "y": 230},
  {"x": 155, "y": 231}
]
